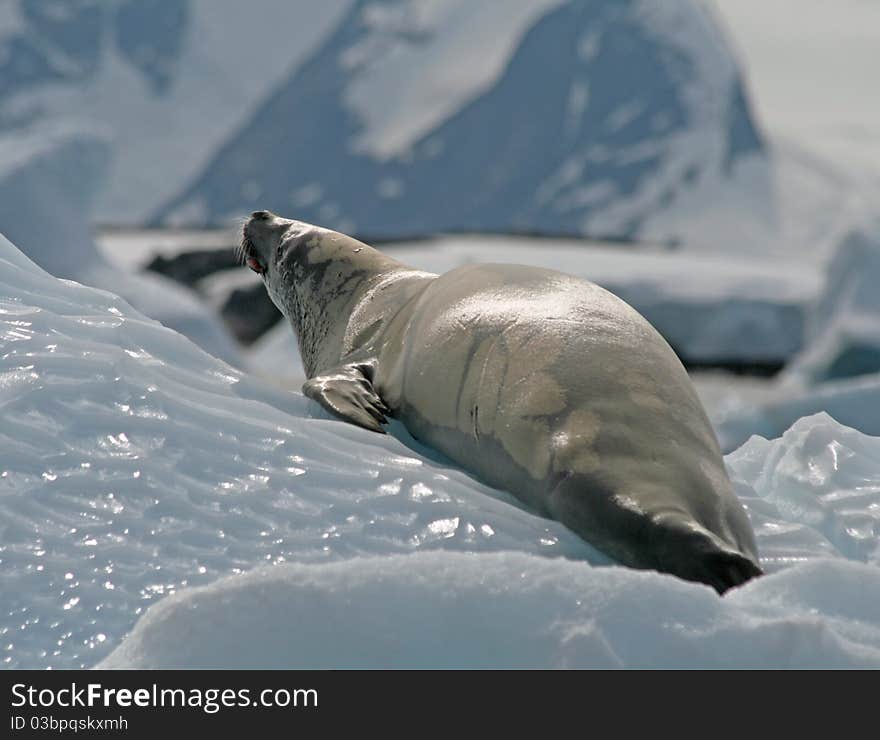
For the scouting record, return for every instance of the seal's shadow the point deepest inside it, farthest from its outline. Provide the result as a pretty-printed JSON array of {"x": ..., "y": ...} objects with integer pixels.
[{"x": 396, "y": 429}]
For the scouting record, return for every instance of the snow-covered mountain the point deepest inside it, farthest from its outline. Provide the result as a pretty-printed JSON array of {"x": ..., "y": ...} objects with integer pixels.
[
  {"x": 535, "y": 115},
  {"x": 168, "y": 80},
  {"x": 398, "y": 117}
]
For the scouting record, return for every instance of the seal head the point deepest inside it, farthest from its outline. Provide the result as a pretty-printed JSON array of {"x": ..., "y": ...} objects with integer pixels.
[{"x": 318, "y": 278}]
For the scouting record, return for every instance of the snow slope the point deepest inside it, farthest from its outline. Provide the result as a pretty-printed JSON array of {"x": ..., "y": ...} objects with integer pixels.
[
  {"x": 452, "y": 610},
  {"x": 134, "y": 466},
  {"x": 49, "y": 177},
  {"x": 388, "y": 96},
  {"x": 809, "y": 66}
]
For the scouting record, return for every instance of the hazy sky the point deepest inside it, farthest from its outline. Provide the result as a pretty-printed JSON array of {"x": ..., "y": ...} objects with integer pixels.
[{"x": 814, "y": 71}]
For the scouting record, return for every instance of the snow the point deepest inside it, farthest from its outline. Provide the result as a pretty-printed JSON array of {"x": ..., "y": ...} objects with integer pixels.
[
  {"x": 817, "y": 488},
  {"x": 789, "y": 191},
  {"x": 853, "y": 402},
  {"x": 231, "y": 57},
  {"x": 49, "y": 177},
  {"x": 809, "y": 68},
  {"x": 422, "y": 60},
  {"x": 711, "y": 307},
  {"x": 838, "y": 369},
  {"x": 134, "y": 467},
  {"x": 159, "y": 508},
  {"x": 603, "y": 118},
  {"x": 452, "y": 610},
  {"x": 10, "y": 21},
  {"x": 275, "y": 357},
  {"x": 844, "y": 322}
]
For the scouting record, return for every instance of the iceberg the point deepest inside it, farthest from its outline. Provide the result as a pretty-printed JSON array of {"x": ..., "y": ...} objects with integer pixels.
[
  {"x": 844, "y": 322},
  {"x": 161, "y": 508},
  {"x": 838, "y": 368}
]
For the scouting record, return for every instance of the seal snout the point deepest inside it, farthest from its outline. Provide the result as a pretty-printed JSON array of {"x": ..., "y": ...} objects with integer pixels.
[
  {"x": 254, "y": 234},
  {"x": 261, "y": 239}
]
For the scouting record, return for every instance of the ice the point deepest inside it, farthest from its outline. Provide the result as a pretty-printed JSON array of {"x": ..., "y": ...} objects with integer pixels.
[
  {"x": 813, "y": 496},
  {"x": 714, "y": 308},
  {"x": 510, "y": 610},
  {"x": 838, "y": 370},
  {"x": 275, "y": 357},
  {"x": 814, "y": 490},
  {"x": 844, "y": 339},
  {"x": 49, "y": 177},
  {"x": 135, "y": 467},
  {"x": 693, "y": 163},
  {"x": 853, "y": 402},
  {"x": 139, "y": 464}
]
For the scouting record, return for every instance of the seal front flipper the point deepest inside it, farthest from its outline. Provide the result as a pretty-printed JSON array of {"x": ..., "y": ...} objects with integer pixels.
[{"x": 348, "y": 392}]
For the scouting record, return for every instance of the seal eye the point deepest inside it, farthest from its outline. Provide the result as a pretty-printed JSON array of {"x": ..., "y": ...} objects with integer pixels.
[{"x": 255, "y": 265}]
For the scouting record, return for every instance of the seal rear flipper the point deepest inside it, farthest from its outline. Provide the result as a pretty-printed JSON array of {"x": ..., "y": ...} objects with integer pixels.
[
  {"x": 669, "y": 541},
  {"x": 348, "y": 393},
  {"x": 696, "y": 554},
  {"x": 726, "y": 569}
]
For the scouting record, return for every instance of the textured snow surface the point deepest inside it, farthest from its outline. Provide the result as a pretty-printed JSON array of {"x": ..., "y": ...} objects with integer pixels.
[{"x": 133, "y": 465}]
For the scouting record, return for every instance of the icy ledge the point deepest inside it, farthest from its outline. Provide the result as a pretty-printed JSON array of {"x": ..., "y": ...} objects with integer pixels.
[
  {"x": 135, "y": 467},
  {"x": 454, "y": 610}
]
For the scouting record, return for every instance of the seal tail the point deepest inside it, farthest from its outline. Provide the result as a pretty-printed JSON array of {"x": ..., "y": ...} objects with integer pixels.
[
  {"x": 726, "y": 569},
  {"x": 692, "y": 552},
  {"x": 670, "y": 542}
]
